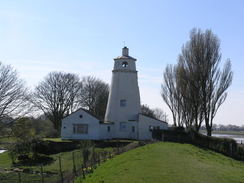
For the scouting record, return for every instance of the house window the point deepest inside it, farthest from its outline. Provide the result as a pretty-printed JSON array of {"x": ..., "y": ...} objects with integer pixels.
[
  {"x": 133, "y": 128},
  {"x": 108, "y": 128},
  {"x": 80, "y": 128},
  {"x": 124, "y": 64},
  {"x": 122, "y": 103},
  {"x": 122, "y": 126}
]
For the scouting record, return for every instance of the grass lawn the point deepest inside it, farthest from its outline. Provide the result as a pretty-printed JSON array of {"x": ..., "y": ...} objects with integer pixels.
[
  {"x": 169, "y": 163},
  {"x": 6, "y": 141},
  {"x": 56, "y": 140},
  {"x": 66, "y": 162}
]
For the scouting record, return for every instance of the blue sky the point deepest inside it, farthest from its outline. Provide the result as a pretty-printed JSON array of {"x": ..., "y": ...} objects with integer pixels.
[{"x": 83, "y": 37}]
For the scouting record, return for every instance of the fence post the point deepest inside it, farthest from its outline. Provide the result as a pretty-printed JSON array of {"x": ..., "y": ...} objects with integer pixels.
[
  {"x": 74, "y": 168},
  {"x": 98, "y": 158},
  {"x": 117, "y": 147},
  {"x": 42, "y": 174},
  {"x": 60, "y": 169},
  {"x": 83, "y": 171},
  {"x": 19, "y": 177}
]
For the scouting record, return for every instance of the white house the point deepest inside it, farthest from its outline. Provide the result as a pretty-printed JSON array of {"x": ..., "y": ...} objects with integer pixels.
[{"x": 123, "y": 117}]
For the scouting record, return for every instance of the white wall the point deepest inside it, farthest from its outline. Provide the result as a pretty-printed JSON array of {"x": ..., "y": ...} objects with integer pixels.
[
  {"x": 74, "y": 118},
  {"x": 127, "y": 133},
  {"x": 144, "y": 125},
  {"x": 104, "y": 133}
]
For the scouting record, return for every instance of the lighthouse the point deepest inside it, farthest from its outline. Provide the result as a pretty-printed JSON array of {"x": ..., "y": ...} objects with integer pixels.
[
  {"x": 124, "y": 97},
  {"x": 123, "y": 118}
]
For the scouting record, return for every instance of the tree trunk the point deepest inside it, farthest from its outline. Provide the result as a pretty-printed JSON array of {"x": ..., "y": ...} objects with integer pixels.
[{"x": 209, "y": 132}]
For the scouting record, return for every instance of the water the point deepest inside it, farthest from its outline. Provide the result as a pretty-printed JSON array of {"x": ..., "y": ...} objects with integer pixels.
[
  {"x": 238, "y": 138},
  {"x": 2, "y": 151}
]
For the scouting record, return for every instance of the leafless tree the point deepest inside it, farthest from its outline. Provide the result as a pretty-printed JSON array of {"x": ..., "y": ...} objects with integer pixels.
[
  {"x": 94, "y": 96},
  {"x": 197, "y": 83},
  {"x": 171, "y": 94},
  {"x": 160, "y": 114},
  {"x": 57, "y": 96},
  {"x": 145, "y": 110},
  {"x": 13, "y": 96},
  {"x": 200, "y": 58},
  {"x": 156, "y": 113}
]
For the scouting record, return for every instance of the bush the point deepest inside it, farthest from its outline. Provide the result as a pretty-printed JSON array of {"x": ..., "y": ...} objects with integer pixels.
[
  {"x": 24, "y": 149},
  {"x": 51, "y": 147}
]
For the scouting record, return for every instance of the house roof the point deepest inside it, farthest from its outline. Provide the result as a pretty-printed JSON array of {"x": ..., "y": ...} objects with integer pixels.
[
  {"x": 85, "y": 110},
  {"x": 153, "y": 118},
  {"x": 123, "y": 57},
  {"x": 106, "y": 122}
]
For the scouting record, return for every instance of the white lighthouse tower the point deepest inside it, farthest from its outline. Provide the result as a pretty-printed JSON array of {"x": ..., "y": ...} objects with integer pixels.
[{"x": 124, "y": 98}]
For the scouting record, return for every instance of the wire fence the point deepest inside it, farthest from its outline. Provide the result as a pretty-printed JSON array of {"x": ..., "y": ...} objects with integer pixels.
[{"x": 80, "y": 166}]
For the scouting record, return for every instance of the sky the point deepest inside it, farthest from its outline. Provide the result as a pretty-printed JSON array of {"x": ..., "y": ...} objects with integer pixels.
[{"x": 83, "y": 37}]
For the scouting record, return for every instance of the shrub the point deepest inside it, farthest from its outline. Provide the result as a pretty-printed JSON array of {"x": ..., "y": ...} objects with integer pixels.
[
  {"x": 24, "y": 149},
  {"x": 51, "y": 147}
]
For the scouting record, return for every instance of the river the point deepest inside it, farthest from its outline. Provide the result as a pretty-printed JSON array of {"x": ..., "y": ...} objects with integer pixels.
[
  {"x": 238, "y": 138},
  {"x": 2, "y": 151}
]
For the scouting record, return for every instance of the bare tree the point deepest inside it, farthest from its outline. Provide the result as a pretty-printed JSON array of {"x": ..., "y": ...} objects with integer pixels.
[
  {"x": 171, "y": 94},
  {"x": 196, "y": 87},
  {"x": 145, "y": 110},
  {"x": 13, "y": 96},
  {"x": 94, "y": 96},
  {"x": 160, "y": 114},
  {"x": 156, "y": 113},
  {"x": 57, "y": 96},
  {"x": 191, "y": 91},
  {"x": 200, "y": 58},
  {"x": 201, "y": 83}
]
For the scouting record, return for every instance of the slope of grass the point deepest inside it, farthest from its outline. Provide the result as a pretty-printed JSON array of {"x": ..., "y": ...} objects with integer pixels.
[{"x": 169, "y": 163}]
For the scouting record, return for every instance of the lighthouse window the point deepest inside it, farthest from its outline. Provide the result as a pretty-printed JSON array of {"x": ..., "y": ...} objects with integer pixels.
[
  {"x": 124, "y": 64},
  {"x": 122, "y": 103}
]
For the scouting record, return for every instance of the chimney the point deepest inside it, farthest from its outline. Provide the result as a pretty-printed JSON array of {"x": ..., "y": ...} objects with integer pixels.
[{"x": 125, "y": 51}]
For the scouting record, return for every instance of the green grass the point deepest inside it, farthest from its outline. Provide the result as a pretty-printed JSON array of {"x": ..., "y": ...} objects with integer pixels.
[
  {"x": 169, "y": 163},
  {"x": 5, "y": 142},
  {"x": 66, "y": 162},
  {"x": 56, "y": 140},
  {"x": 7, "y": 139},
  {"x": 5, "y": 161}
]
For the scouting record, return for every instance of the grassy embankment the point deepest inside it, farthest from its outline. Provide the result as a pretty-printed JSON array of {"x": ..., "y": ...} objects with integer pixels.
[{"x": 169, "y": 163}]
